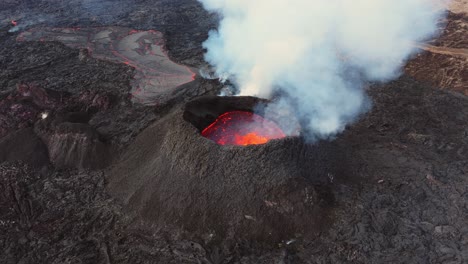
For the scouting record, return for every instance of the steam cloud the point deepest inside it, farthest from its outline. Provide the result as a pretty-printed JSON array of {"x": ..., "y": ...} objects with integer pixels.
[{"x": 316, "y": 53}]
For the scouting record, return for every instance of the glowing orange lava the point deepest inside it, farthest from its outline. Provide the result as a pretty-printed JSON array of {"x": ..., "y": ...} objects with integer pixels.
[{"x": 242, "y": 128}]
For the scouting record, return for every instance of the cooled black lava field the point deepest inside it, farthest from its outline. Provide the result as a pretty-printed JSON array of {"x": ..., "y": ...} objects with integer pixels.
[{"x": 89, "y": 175}]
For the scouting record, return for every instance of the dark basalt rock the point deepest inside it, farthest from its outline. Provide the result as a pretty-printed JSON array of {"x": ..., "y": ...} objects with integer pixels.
[
  {"x": 72, "y": 143},
  {"x": 24, "y": 145},
  {"x": 171, "y": 175}
]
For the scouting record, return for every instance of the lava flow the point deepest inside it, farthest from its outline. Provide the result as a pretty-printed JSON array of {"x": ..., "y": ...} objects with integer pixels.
[
  {"x": 156, "y": 75},
  {"x": 242, "y": 128}
]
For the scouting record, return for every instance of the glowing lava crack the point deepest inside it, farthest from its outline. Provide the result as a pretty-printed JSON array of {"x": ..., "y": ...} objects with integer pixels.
[{"x": 242, "y": 128}]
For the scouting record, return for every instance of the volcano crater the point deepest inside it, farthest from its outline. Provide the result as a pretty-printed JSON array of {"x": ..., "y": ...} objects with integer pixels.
[{"x": 173, "y": 176}]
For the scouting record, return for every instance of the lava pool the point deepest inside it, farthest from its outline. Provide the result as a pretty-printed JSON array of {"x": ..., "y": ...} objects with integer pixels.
[{"x": 242, "y": 128}]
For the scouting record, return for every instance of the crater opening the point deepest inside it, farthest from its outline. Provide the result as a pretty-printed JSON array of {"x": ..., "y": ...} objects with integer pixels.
[
  {"x": 239, "y": 120},
  {"x": 242, "y": 128}
]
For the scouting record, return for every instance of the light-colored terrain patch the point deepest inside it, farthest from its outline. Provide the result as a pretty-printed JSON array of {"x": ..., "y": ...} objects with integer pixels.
[
  {"x": 444, "y": 61},
  {"x": 462, "y": 53},
  {"x": 459, "y": 6},
  {"x": 455, "y": 6}
]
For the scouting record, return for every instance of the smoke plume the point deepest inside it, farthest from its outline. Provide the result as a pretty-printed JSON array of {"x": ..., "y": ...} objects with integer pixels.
[{"x": 316, "y": 54}]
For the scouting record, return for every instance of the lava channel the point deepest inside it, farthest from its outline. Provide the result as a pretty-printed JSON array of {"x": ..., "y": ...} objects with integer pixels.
[{"x": 242, "y": 128}]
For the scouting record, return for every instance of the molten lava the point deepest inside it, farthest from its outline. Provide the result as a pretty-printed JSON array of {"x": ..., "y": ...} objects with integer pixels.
[{"x": 242, "y": 128}]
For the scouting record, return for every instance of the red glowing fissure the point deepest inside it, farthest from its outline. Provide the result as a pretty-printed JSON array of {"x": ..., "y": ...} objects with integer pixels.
[{"x": 242, "y": 128}]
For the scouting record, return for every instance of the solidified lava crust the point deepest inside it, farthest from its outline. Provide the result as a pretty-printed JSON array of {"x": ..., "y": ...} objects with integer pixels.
[
  {"x": 156, "y": 75},
  {"x": 410, "y": 154}
]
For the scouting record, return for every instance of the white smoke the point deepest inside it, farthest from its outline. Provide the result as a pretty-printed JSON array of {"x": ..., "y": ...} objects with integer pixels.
[{"x": 317, "y": 52}]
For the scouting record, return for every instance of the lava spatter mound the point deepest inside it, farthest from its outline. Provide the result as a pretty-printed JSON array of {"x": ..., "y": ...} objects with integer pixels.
[
  {"x": 242, "y": 128},
  {"x": 173, "y": 176}
]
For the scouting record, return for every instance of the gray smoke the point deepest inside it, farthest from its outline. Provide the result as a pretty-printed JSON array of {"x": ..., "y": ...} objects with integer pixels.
[{"x": 316, "y": 53}]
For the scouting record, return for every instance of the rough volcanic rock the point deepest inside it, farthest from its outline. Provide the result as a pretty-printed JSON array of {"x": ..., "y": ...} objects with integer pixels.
[
  {"x": 16, "y": 114},
  {"x": 22, "y": 106},
  {"x": 58, "y": 68},
  {"x": 24, "y": 145},
  {"x": 156, "y": 76},
  {"x": 171, "y": 175},
  {"x": 72, "y": 143},
  {"x": 66, "y": 216},
  {"x": 443, "y": 62},
  {"x": 410, "y": 153},
  {"x": 454, "y": 31},
  {"x": 408, "y": 204},
  {"x": 49, "y": 77},
  {"x": 447, "y": 71},
  {"x": 184, "y": 22}
]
